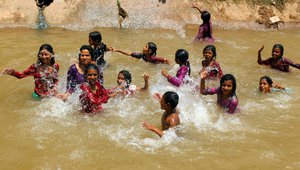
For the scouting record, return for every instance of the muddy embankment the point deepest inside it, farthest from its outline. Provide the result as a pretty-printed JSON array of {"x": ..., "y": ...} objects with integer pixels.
[{"x": 170, "y": 14}]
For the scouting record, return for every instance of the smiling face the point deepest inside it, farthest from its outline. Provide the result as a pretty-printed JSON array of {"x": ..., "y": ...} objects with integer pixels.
[
  {"x": 227, "y": 87},
  {"x": 92, "y": 76},
  {"x": 121, "y": 79},
  {"x": 276, "y": 53},
  {"x": 85, "y": 57},
  {"x": 45, "y": 57},
  {"x": 264, "y": 86},
  {"x": 208, "y": 55}
]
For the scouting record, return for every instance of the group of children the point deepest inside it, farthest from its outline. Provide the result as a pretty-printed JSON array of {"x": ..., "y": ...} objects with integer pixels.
[{"x": 87, "y": 75}]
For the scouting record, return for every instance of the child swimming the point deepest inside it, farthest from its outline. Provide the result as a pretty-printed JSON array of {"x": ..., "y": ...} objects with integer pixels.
[
  {"x": 124, "y": 84},
  {"x": 148, "y": 54},
  {"x": 205, "y": 29},
  {"x": 277, "y": 61},
  {"x": 226, "y": 96},
  {"x": 44, "y": 72},
  {"x": 266, "y": 85},
  {"x": 170, "y": 117},
  {"x": 181, "y": 58},
  {"x": 99, "y": 48},
  {"x": 210, "y": 64},
  {"x": 93, "y": 93}
]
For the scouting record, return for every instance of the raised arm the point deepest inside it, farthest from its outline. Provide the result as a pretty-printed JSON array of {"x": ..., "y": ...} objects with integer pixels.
[
  {"x": 259, "y": 60},
  {"x": 28, "y": 72},
  {"x": 146, "y": 79},
  {"x": 197, "y": 8}
]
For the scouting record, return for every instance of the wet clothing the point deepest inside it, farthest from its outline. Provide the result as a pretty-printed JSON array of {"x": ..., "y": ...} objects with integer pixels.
[
  {"x": 205, "y": 32},
  {"x": 91, "y": 102},
  {"x": 75, "y": 78},
  {"x": 45, "y": 78},
  {"x": 180, "y": 75},
  {"x": 128, "y": 91},
  {"x": 214, "y": 70},
  {"x": 99, "y": 52},
  {"x": 152, "y": 59},
  {"x": 282, "y": 64},
  {"x": 230, "y": 104}
]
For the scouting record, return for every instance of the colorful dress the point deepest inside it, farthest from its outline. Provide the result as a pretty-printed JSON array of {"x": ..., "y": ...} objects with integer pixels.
[
  {"x": 230, "y": 104},
  {"x": 214, "y": 70},
  {"x": 180, "y": 75},
  {"x": 75, "y": 78},
  {"x": 203, "y": 32},
  {"x": 91, "y": 102},
  {"x": 282, "y": 64},
  {"x": 152, "y": 59},
  {"x": 45, "y": 78}
]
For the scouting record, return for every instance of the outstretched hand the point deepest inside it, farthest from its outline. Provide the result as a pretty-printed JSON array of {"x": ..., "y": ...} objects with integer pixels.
[
  {"x": 262, "y": 47},
  {"x": 203, "y": 74},
  {"x": 8, "y": 71},
  {"x": 148, "y": 126},
  {"x": 164, "y": 73}
]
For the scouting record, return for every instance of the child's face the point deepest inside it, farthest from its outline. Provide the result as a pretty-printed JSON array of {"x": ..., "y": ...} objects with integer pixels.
[
  {"x": 227, "y": 87},
  {"x": 91, "y": 42},
  {"x": 85, "y": 57},
  {"x": 276, "y": 53},
  {"x": 146, "y": 49},
  {"x": 45, "y": 56},
  {"x": 92, "y": 76},
  {"x": 121, "y": 79},
  {"x": 163, "y": 104},
  {"x": 208, "y": 55},
  {"x": 264, "y": 86}
]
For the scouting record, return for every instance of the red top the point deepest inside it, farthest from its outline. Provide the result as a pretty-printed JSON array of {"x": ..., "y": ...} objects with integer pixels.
[
  {"x": 45, "y": 78},
  {"x": 91, "y": 102}
]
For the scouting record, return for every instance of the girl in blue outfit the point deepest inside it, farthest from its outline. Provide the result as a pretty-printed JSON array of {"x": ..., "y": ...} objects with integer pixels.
[{"x": 181, "y": 58}]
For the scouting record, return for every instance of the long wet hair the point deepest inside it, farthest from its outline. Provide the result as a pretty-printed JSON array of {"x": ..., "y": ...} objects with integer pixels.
[
  {"x": 205, "y": 16},
  {"x": 229, "y": 77},
  {"x": 96, "y": 37},
  {"x": 268, "y": 79},
  {"x": 49, "y": 48},
  {"x": 212, "y": 48},
  {"x": 86, "y": 47},
  {"x": 152, "y": 46},
  {"x": 127, "y": 76},
  {"x": 171, "y": 98},
  {"x": 182, "y": 56},
  {"x": 280, "y": 47}
]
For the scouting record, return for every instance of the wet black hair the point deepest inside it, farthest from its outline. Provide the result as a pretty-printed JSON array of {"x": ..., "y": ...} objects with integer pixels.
[
  {"x": 49, "y": 48},
  {"x": 41, "y": 3},
  {"x": 280, "y": 47},
  {"x": 268, "y": 79},
  {"x": 126, "y": 75},
  {"x": 229, "y": 77},
  {"x": 96, "y": 37},
  {"x": 212, "y": 48},
  {"x": 171, "y": 98},
  {"x": 152, "y": 46},
  {"x": 205, "y": 16},
  {"x": 183, "y": 57},
  {"x": 86, "y": 47}
]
